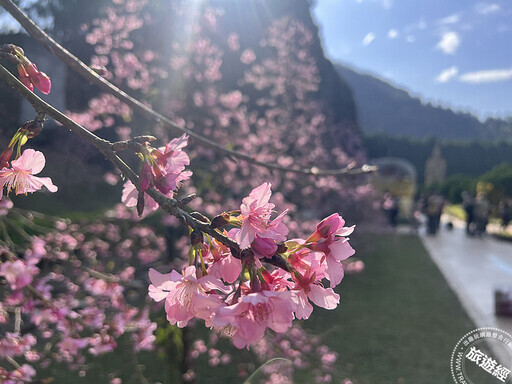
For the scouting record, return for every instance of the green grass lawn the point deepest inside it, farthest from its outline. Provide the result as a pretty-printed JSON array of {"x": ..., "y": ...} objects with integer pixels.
[{"x": 397, "y": 323}]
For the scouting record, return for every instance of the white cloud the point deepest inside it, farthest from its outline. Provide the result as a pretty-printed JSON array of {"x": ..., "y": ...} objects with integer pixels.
[
  {"x": 451, "y": 19},
  {"x": 368, "y": 38},
  {"x": 392, "y": 33},
  {"x": 410, "y": 39},
  {"x": 487, "y": 76},
  {"x": 486, "y": 8},
  {"x": 447, "y": 74},
  {"x": 449, "y": 42}
]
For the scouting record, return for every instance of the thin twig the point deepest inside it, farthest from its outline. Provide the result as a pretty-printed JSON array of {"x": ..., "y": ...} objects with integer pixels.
[
  {"x": 102, "y": 276},
  {"x": 12, "y": 362},
  {"x": 17, "y": 320},
  {"x": 92, "y": 77}
]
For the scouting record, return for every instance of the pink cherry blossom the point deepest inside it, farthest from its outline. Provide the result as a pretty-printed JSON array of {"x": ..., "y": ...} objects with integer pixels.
[
  {"x": 330, "y": 239},
  {"x": 68, "y": 347},
  {"x": 308, "y": 284},
  {"x": 186, "y": 296},
  {"x": 130, "y": 195},
  {"x": 223, "y": 265},
  {"x": 17, "y": 273},
  {"x": 256, "y": 210},
  {"x": 20, "y": 176},
  {"x": 171, "y": 157},
  {"x": 171, "y": 182},
  {"x": 248, "y": 319}
]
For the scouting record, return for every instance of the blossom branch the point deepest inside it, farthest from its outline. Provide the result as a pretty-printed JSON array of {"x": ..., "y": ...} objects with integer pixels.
[
  {"x": 170, "y": 205},
  {"x": 92, "y": 77}
]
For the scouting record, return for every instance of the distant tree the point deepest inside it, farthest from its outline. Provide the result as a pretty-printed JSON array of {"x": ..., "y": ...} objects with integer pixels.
[
  {"x": 454, "y": 185},
  {"x": 501, "y": 179}
]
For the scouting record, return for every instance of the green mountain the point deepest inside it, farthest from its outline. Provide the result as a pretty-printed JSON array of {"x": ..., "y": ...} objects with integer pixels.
[{"x": 383, "y": 108}]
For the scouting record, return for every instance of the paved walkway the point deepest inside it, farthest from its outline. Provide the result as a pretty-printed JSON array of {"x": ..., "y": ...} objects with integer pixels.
[{"x": 473, "y": 267}]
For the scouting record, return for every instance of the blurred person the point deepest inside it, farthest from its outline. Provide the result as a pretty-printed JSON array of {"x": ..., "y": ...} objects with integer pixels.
[
  {"x": 433, "y": 210},
  {"x": 481, "y": 214},
  {"x": 468, "y": 203},
  {"x": 505, "y": 212},
  {"x": 390, "y": 206}
]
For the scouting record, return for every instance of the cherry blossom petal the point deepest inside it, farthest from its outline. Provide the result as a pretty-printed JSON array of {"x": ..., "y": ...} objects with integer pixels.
[
  {"x": 30, "y": 161},
  {"x": 323, "y": 297}
]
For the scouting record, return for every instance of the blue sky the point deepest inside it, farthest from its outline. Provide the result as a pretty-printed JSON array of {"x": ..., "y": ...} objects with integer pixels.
[{"x": 454, "y": 53}]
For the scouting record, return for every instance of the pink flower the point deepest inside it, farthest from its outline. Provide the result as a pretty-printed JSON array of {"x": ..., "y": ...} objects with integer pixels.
[
  {"x": 130, "y": 195},
  {"x": 248, "y": 56},
  {"x": 17, "y": 273},
  {"x": 223, "y": 265},
  {"x": 20, "y": 176},
  {"x": 256, "y": 211},
  {"x": 248, "y": 319},
  {"x": 307, "y": 285},
  {"x": 171, "y": 182},
  {"x": 68, "y": 347},
  {"x": 5, "y": 205},
  {"x": 171, "y": 157},
  {"x": 164, "y": 170},
  {"x": 31, "y": 76},
  {"x": 330, "y": 239},
  {"x": 185, "y": 295}
]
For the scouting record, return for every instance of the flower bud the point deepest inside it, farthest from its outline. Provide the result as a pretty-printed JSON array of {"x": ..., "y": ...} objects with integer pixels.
[
  {"x": 24, "y": 77},
  {"x": 42, "y": 82},
  {"x": 263, "y": 247},
  {"x": 31, "y": 128},
  {"x": 255, "y": 284},
  {"x": 146, "y": 176},
  {"x": 187, "y": 199},
  {"x": 196, "y": 237},
  {"x": 218, "y": 222},
  {"x": 247, "y": 256},
  {"x": 5, "y": 157},
  {"x": 199, "y": 216},
  {"x": 281, "y": 248},
  {"x": 140, "y": 203},
  {"x": 100, "y": 70},
  {"x": 31, "y": 76}
]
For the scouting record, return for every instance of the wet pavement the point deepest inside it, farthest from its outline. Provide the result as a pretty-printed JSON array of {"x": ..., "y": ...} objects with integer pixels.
[{"x": 474, "y": 268}]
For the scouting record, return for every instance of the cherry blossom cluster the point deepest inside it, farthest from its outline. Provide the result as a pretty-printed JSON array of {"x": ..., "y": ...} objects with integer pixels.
[
  {"x": 162, "y": 168},
  {"x": 74, "y": 291},
  {"x": 238, "y": 293},
  {"x": 75, "y": 286}
]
